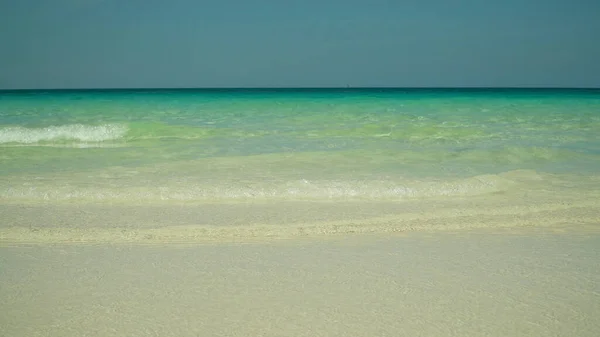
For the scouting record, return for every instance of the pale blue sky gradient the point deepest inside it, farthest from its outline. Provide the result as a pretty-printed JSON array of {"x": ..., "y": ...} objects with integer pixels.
[{"x": 310, "y": 43}]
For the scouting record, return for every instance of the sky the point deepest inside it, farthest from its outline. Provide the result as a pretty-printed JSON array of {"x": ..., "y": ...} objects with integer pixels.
[{"x": 308, "y": 43}]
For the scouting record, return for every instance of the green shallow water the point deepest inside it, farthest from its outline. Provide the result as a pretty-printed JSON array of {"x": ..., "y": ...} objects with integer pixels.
[{"x": 290, "y": 144}]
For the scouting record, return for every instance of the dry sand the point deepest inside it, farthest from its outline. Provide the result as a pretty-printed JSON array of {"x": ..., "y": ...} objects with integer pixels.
[{"x": 507, "y": 282}]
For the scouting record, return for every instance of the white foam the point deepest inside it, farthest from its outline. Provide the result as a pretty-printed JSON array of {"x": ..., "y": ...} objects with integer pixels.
[{"x": 71, "y": 132}]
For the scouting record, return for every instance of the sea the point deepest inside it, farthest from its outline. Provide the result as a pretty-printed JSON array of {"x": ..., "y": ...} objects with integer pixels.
[{"x": 195, "y": 164}]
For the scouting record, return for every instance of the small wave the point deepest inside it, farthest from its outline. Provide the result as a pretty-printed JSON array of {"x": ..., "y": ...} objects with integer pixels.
[
  {"x": 291, "y": 190},
  {"x": 71, "y": 132}
]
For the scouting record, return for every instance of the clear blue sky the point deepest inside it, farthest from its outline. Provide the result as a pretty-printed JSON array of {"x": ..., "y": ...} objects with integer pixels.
[{"x": 308, "y": 43}]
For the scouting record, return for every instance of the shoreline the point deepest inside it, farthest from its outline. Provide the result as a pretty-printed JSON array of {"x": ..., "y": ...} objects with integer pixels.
[{"x": 198, "y": 223}]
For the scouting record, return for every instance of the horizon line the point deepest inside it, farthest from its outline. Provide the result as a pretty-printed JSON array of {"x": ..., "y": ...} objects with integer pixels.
[{"x": 306, "y": 88}]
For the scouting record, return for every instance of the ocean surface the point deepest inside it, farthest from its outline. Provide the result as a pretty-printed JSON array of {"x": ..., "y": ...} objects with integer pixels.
[{"x": 407, "y": 149}]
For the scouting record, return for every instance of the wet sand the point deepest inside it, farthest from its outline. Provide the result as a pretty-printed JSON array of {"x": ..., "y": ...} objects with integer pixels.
[
  {"x": 505, "y": 282},
  {"x": 50, "y": 223}
]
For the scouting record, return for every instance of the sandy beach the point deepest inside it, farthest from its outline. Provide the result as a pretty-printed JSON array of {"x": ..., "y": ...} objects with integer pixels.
[
  {"x": 300, "y": 212},
  {"x": 503, "y": 282}
]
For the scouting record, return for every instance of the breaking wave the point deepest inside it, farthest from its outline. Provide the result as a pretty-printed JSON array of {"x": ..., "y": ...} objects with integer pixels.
[{"x": 62, "y": 133}]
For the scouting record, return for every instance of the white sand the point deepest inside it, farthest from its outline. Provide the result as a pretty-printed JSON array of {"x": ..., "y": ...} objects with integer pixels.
[{"x": 465, "y": 283}]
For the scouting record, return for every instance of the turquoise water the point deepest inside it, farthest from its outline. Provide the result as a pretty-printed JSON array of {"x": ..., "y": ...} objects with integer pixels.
[{"x": 153, "y": 146}]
